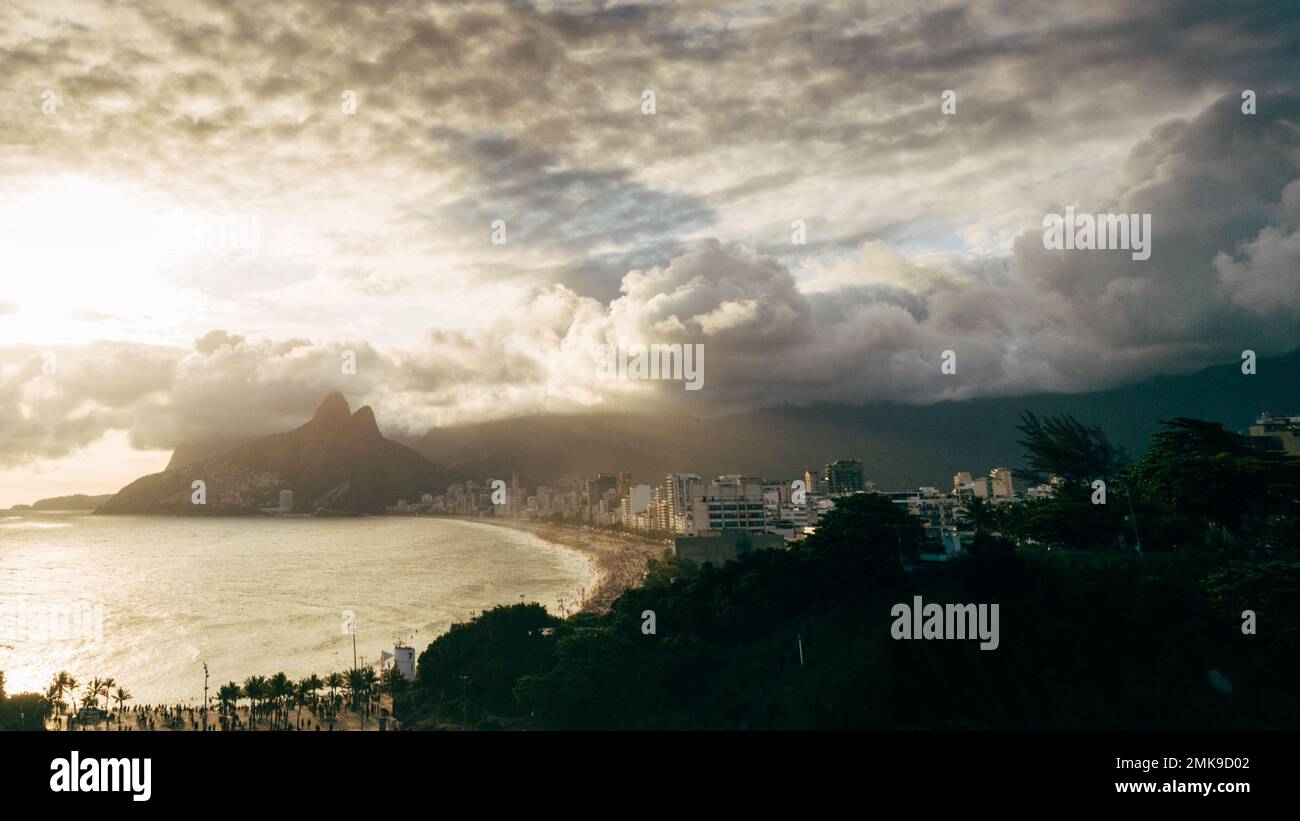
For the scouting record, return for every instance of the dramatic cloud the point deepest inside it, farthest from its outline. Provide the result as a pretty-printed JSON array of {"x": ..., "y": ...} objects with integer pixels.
[{"x": 211, "y": 206}]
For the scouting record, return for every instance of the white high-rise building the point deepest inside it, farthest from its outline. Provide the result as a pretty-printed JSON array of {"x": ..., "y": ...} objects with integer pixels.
[
  {"x": 639, "y": 495},
  {"x": 1001, "y": 483},
  {"x": 679, "y": 495},
  {"x": 730, "y": 503}
]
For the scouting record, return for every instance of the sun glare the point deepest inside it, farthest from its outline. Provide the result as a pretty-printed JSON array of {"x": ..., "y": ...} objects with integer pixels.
[{"x": 77, "y": 247}]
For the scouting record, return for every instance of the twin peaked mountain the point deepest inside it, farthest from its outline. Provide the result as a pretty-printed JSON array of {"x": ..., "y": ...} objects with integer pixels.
[{"x": 338, "y": 462}]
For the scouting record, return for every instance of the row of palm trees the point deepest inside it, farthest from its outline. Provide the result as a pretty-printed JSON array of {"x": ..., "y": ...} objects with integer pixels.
[
  {"x": 276, "y": 696},
  {"x": 63, "y": 685},
  {"x": 271, "y": 697}
]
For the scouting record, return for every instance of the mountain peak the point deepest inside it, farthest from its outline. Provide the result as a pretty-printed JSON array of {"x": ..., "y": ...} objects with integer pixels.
[
  {"x": 338, "y": 462},
  {"x": 363, "y": 422},
  {"x": 333, "y": 410}
]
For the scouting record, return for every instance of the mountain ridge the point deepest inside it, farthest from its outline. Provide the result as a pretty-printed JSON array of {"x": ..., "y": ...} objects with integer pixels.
[
  {"x": 902, "y": 446},
  {"x": 337, "y": 462}
]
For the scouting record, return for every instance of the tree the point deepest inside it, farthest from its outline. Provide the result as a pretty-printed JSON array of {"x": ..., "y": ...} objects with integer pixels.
[
  {"x": 23, "y": 711},
  {"x": 307, "y": 691},
  {"x": 255, "y": 689},
  {"x": 228, "y": 696},
  {"x": 492, "y": 649},
  {"x": 1067, "y": 519},
  {"x": 94, "y": 689},
  {"x": 356, "y": 685},
  {"x": 1195, "y": 473},
  {"x": 1065, "y": 447},
  {"x": 60, "y": 686},
  {"x": 977, "y": 514},
  {"x": 369, "y": 683},
  {"x": 1077, "y": 455},
  {"x": 395, "y": 683},
  {"x": 865, "y": 536},
  {"x": 279, "y": 690},
  {"x": 1280, "y": 533},
  {"x": 121, "y": 696}
]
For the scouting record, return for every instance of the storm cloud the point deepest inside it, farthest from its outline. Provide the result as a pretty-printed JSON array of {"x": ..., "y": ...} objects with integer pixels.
[{"x": 379, "y": 146}]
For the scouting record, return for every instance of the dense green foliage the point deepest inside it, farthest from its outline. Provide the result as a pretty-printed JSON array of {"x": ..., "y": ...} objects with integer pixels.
[
  {"x": 1093, "y": 636},
  {"x": 475, "y": 666},
  {"x": 1197, "y": 487},
  {"x": 1198, "y": 480},
  {"x": 21, "y": 711}
]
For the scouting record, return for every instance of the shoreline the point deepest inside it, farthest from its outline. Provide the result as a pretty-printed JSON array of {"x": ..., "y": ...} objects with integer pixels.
[
  {"x": 618, "y": 560},
  {"x": 574, "y": 578}
]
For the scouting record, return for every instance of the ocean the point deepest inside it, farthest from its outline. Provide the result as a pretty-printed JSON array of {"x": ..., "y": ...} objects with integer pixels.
[{"x": 148, "y": 600}]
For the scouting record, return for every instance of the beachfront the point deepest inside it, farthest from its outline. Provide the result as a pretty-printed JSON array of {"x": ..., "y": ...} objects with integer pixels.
[
  {"x": 310, "y": 715},
  {"x": 616, "y": 562},
  {"x": 618, "y": 558}
]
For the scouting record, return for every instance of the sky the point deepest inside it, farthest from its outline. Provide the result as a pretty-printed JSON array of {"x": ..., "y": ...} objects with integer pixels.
[{"x": 210, "y": 208}]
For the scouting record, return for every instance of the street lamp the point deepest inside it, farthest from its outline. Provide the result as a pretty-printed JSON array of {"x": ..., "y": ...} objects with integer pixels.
[{"x": 205, "y": 696}]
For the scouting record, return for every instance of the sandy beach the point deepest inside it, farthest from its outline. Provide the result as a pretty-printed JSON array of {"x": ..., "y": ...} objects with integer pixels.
[{"x": 618, "y": 559}]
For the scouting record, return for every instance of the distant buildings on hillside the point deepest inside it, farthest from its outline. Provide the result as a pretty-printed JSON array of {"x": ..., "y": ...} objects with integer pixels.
[{"x": 726, "y": 516}]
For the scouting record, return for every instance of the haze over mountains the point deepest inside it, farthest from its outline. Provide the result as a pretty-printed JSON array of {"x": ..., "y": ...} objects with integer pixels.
[
  {"x": 902, "y": 446},
  {"x": 338, "y": 462}
]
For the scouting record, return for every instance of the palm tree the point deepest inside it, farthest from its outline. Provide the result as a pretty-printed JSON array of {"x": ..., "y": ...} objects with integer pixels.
[
  {"x": 300, "y": 693},
  {"x": 121, "y": 697},
  {"x": 90, "y": 698},
  {"x": 280, "y": 688},
  {"x": 312, "y": 683},
  {"x": 335, "y": 681},
  {"x": 106, "y": 690},
  {"x": 395, "y": 683},
  {"x": 393, "y": 680},
  {"x": 369, "y": 686},
  {"x": 227, "y": 696},
  {"x": 356, "y": 684},
  {"x": 92, "y": 692},
  {"x": 977, "y": 513},
  {"x": 60, "y": 686},
  {"x": 255, "y": 690}
]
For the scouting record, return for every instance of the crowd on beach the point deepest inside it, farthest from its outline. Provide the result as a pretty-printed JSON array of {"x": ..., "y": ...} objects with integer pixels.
[
  {"x": 358, "y": 700},
  {"x": 620, "y": 557}
]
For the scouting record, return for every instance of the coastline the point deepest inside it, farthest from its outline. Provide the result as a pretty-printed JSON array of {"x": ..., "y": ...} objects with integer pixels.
[{"x": 618, "y": 560}]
